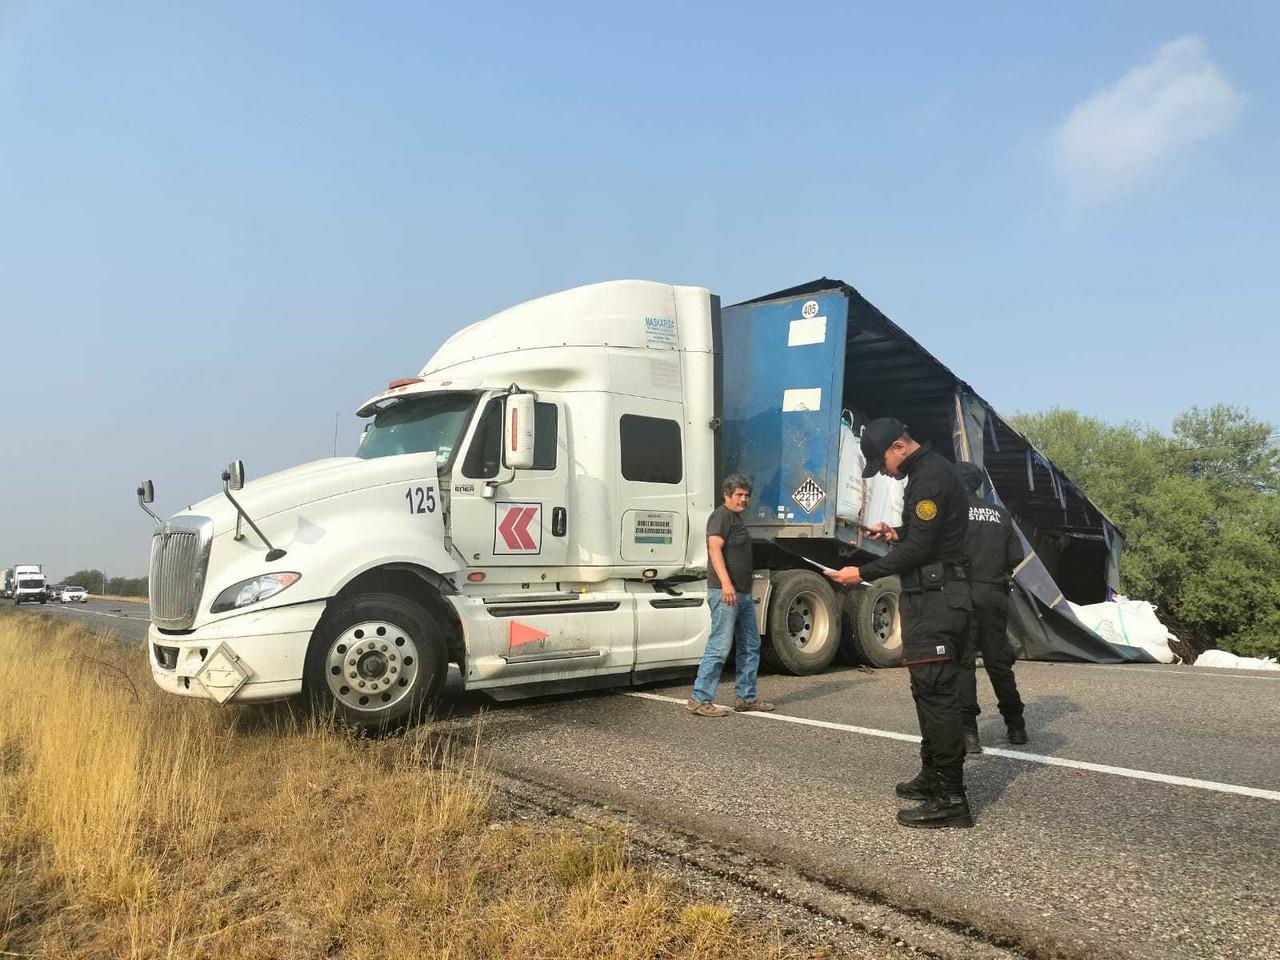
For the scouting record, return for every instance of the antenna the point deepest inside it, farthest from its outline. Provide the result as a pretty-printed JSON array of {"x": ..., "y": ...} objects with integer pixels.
[{"x": 337, "y": 417}]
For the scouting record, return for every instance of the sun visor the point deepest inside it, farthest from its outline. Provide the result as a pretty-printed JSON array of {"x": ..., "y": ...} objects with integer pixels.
[{"x": 411, "y": 386}]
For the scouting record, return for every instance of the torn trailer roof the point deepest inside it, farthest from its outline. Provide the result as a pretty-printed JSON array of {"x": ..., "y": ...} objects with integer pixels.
[{"x": 827, "y": 351}]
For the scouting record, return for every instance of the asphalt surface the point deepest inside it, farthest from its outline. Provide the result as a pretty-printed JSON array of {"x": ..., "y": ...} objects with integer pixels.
[{"x": 1083, "y": 858}]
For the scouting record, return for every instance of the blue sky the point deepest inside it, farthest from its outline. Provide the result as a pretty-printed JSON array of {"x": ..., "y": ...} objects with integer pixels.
[{"x": 222, "y": 225}]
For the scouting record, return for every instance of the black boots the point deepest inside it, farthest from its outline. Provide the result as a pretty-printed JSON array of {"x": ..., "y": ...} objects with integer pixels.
[
  {"x": 942, "y": 807},
  {"x": 920, "y": 787},
  {"x": 944, "y": 811},
  {"x": 1015, "y": 733}
]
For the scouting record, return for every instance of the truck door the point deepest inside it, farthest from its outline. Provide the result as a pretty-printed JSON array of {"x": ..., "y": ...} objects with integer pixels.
[
  {"x": 653, "y": 531},
  {"x": 526, "y": 521},
  {"x": 543, "y": 634},
  {"x": 652, "y": 516}
]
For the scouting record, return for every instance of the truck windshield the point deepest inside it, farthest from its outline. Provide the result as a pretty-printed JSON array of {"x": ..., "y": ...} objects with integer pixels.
[
  {"x": 418, "y": 425},
  {"x": 30, "y": 584}
]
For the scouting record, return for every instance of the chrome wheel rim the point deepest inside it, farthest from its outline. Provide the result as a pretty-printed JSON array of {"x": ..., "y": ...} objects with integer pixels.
[
  {"x": 807, "y": 620},
  {"x": 371, "y": 666}
]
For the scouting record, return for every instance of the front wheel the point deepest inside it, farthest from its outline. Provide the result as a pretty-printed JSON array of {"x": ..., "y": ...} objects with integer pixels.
[
  {"x": 804, "y": 623},
  {"x": 375, "y": 660}
]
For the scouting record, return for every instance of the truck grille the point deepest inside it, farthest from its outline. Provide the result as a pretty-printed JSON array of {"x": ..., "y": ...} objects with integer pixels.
[{"x": 179, "y": 558}]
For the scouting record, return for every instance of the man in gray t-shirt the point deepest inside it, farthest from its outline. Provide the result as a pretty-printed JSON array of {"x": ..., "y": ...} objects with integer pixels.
[{"x": 733, "y": 615}]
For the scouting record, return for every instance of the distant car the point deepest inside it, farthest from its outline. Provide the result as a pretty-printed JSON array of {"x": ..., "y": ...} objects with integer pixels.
[
  {"x": 54, "y": 591},
  {"x": 72, "y": 594}
]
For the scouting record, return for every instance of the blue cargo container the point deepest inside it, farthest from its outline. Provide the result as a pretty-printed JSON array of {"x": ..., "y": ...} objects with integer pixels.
[{"x": 794, "y": 360}]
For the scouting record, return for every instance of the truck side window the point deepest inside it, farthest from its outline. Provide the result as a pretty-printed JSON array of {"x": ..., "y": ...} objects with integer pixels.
[
  {"x": 485, "y": 456},
  {"x": 650, "y": 449}
]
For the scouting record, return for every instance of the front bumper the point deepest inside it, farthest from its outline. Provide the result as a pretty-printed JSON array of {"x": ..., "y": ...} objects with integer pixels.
[{"x": 271, "y": 646}]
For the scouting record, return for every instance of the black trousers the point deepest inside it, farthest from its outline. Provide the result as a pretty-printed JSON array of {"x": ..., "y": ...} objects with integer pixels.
[
  {"x": 988, "y": 635},
  {"x": 931, "y": 621}
]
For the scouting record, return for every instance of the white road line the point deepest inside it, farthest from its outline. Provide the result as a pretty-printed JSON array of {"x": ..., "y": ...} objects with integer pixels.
[
  {"x": 1207, "y": 672},
  {"x": 113, "y": 616},
  {"x": 999, "y": 752}
]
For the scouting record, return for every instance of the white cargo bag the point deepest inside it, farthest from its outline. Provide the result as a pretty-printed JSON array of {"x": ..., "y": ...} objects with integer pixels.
[
  {"x": 864, "y": 501},
  {"x": 849, "y": 482},
  {"x": 1221, "y": 658},
  {"x": 1130, "y": 622},
  {"x": 884, "y": 500}
]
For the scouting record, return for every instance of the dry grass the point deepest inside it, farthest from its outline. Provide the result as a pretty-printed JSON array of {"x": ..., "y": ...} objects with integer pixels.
[
  {"x": 113, "y": 596},
  {"x": 138, "y": 825}
]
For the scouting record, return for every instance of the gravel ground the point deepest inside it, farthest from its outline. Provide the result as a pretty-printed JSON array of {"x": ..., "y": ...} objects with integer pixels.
[{"x": 804, "y": 911}]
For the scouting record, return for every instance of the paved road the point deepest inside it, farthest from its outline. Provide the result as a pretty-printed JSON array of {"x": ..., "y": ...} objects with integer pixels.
[
  {"x": 127, "y": 619},
  {"x": 1160, "y": 836}
]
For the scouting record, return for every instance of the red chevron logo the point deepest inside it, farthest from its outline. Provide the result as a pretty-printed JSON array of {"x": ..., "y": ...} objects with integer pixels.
[{"x": 513, "y": 528}]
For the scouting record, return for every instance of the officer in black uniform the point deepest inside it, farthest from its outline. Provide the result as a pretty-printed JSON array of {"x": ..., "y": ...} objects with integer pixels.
[
  {"x": 993, "y": 550},
  {"x": 934, "y": 606}
]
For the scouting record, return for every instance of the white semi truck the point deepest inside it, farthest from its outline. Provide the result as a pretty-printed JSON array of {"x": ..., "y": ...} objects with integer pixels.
[
  {"x": 28, "y": 583},
  {"x": 531, "y": 507}
]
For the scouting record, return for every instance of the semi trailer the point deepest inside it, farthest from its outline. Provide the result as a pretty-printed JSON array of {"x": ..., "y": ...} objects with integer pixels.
[{"x": 530, "y": 507}]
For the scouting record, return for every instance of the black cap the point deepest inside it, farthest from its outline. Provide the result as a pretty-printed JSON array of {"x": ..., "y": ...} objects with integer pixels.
[
  {"x": 876, "y": 439},
  {"x": 972, "y": 475}
]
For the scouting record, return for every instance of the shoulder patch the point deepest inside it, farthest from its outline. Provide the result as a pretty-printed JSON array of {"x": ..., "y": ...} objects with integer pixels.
[{"x": 926, "y": 510}]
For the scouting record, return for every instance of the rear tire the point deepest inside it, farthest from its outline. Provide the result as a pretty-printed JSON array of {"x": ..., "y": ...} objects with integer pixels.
[
  {"x": 872, "y": 624},
  {"x": 375, "y": 662},
  {"x": 804, "y": 623}
]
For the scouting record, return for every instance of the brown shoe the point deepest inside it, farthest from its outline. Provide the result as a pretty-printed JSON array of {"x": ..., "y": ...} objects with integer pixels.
[
  {"x": 746, "y": 706},
  {"x": 700, "y": 708}
]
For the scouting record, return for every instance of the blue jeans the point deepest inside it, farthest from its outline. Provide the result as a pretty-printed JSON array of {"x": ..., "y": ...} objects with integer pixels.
[{"x": 730, "y": 623}]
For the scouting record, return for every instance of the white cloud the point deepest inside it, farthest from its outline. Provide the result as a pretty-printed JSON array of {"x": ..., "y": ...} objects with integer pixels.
[{"x": 1111, "y": 142}]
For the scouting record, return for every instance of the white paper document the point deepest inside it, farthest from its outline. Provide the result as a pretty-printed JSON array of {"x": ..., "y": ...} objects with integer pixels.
[
  {"x": 815, "y": 563},
  {"x": 821, "y": 567}
]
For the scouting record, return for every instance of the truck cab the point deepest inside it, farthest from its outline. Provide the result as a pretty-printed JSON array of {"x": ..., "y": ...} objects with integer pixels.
[
  {"x": 28, "y": 584},
  {"x": 529, "y": 507}
]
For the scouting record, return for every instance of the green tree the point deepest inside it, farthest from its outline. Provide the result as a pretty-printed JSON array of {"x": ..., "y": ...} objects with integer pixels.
[
  {"x": 1224, "y": 444},
  {"x": 1200, "y": 511},
  {"x": 91, "y": 580},
  {"x": 127, "y": 586}
]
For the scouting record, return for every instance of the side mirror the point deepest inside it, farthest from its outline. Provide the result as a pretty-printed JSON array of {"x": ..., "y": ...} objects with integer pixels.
[
  {"x": 517, "y": 431},
  {"x": 233, "y": 476},
  {"x": 147, "y": 494}
]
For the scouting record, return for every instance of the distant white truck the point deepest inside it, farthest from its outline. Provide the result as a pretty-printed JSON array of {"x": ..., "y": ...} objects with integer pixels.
[
  {"x": 6, "y": 584},
  {"x": 28, "y": 583},
  {"x": 530, "y": 507}
]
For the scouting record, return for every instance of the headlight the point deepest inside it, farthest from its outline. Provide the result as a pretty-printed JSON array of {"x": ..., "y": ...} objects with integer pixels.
[{"x": 251, "y": 591}]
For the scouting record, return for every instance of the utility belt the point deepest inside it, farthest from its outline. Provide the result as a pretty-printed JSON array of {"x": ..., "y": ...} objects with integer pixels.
[{"x": 933, "y": 576}]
